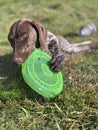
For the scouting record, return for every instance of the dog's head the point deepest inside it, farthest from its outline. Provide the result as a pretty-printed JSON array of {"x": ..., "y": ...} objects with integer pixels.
[{"x": 24, "y": 36}]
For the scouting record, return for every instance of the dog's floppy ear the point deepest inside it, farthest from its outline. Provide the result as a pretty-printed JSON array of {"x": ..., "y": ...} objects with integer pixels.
[
  {"x": 42, "y": 34},
  {"x": 11, "y": 33}
]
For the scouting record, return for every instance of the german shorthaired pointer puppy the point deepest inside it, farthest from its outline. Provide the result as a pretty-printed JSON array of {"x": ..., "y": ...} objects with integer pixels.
[{"x": 25, "y": 35}]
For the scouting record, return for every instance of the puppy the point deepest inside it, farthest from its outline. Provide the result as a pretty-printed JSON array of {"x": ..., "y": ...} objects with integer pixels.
[{"x": 26, "y": 35}]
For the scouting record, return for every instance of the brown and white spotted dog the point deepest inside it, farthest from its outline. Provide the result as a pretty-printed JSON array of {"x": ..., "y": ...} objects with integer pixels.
[{"x": 26, "y": 35}]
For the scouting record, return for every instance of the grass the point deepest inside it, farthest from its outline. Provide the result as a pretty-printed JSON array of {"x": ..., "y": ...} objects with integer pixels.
[{"x": 76, "y": 108}]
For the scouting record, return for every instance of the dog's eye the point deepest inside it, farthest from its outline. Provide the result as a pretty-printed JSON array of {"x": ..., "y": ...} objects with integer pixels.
[{"x": 24, "y": 36}]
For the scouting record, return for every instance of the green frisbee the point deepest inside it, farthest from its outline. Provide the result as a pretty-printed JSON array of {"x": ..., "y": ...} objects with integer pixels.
[{"x": 38, "y": 75}]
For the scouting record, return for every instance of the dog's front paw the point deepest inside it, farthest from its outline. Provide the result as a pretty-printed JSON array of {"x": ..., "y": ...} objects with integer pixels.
[{"x": 57, "y": 62}]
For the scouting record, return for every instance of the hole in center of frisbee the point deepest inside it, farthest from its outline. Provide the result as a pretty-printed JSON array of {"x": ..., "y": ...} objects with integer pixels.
[{"x": 46, "y": 70}]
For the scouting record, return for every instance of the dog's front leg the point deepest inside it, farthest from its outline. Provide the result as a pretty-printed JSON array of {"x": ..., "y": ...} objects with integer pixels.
[{"x": 58, "y": 57}]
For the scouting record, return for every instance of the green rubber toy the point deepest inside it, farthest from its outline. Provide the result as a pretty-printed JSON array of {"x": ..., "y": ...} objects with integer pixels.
[{"x": 38, "y": 75}]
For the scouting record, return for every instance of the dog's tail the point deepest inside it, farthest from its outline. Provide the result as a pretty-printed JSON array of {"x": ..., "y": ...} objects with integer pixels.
[{"x": 86, "y": 46}]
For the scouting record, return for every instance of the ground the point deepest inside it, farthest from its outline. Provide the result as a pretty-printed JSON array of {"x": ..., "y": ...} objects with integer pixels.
[{"x": 76, "y": 108}]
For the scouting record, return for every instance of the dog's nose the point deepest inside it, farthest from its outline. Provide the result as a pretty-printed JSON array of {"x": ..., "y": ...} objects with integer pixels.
[{"x": 18, "y": 61}]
